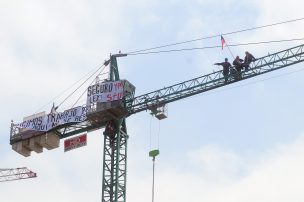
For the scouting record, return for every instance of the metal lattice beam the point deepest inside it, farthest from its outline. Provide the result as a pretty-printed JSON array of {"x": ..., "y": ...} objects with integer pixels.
[
  {"x": 215, "y": 80},
  {"x": 16, "y": 174},
  {"x": 115, "y": 155},
  {"x": 114, "y": 167}
]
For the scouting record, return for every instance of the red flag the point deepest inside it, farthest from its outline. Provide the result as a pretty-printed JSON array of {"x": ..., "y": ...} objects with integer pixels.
[{"x": 223, "y": 42}]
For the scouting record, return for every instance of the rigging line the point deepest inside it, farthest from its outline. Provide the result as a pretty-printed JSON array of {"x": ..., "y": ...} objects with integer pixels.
[
  {"x": 217, "y": 35},
  {"x": 80, "y": 86},
  {"x": 153, "y": 179},
  {"x": 217, "y": 46},
  {"x": 86, "y": 89},
  {"x": 229, "y": 50},
  {"x": 62, "y": 92},
  {"x": 158, "y": 134},
  {"x": 151, "y": 133}
]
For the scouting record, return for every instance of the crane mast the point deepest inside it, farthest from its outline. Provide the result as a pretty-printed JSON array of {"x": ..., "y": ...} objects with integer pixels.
[
  {"x": 115, "y": 152},
  {"x": 115, "y": 134}
]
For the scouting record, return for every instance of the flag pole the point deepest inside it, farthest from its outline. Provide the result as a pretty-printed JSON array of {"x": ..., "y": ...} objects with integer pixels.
[
  {"x": 230, "y": 51},
  {"x": 223, "y": 41}
]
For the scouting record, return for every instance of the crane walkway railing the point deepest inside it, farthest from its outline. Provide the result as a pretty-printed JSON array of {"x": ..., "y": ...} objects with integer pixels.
[{"x": 215, "y": 80}]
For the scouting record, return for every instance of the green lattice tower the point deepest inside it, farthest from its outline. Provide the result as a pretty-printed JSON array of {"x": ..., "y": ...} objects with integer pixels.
[{"x": 115, "y": 153}]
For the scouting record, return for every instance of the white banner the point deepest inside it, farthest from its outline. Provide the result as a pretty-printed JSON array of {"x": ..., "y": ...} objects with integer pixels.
[
  {"x": 105, "y": 92},
  {"x": 49, "y": 121}
]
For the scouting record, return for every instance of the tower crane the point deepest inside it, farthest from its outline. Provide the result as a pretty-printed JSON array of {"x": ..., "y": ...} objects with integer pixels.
[
  {"x": 10, "y": 174},
  {"x": 31, "y": 135}
]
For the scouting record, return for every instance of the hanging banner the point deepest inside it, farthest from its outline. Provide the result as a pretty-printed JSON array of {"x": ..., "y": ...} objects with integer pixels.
[
  {"x": 49, "y": 121},
  {"x": 75, "y": 142},
  {"x": 105, "y": 92}
]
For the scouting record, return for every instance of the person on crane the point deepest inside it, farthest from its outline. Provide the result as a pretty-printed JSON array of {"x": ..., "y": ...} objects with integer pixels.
[
  {"x": 239, "y": 65},
  {"x": 226, "y": 66},
  {"x": 110, "y": 128},
  {"x": 248, "y": 59}
]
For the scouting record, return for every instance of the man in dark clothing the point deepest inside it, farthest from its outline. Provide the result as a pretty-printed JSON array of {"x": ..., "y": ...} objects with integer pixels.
[
  {"x": 226, "y": 65},
  {"x": 239, "y": 65},
  {"x": 248, "y": 59}
]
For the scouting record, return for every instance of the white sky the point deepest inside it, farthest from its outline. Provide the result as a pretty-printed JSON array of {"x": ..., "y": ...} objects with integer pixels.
[{"x": 234, "y": 144}]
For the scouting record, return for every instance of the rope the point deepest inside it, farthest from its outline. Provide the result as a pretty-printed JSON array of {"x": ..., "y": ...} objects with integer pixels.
[
  {"x": 79, "y": 87},
  {"x": 218, "y": 46},
  {"x": 150, "y": 146},
  {"x": 86, "y": 89},
  {"x": 158, "y": 134},
  {"x": 153, "y": 157},
  {"x": 229, "y": 49},
  {"x": 217, "y": 35},
  {"x": 61, "y": 93},
  {"x": 153, "y": 179}
]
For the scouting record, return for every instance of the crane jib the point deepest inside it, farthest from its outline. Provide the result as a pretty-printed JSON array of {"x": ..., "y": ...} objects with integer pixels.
[{"x": 216, "y": 79}]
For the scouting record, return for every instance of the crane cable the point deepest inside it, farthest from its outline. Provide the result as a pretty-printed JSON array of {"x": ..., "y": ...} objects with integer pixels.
[
  {"x": 165, "y": 51},
  {"x": 80, "y": 85},
  {"x": 183, "y": 42},
  {"x": 72, "y": 85},
  {"x": 86, "y": 89},
  {"x": 178, "y": 43},
  {"x": 150, "y": 133},
  {"x": 153, "y": 154},
  {"x": 217, "y": 46},
  {"x": 158, "y": 134},
  {"x": 153, "y": 179},
  {"x": 217, "y": 35}
]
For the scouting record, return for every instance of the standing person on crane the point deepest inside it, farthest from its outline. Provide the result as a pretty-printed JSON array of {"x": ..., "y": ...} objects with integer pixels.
[
  {"x": 248, "y": 59},
  {"x": 226, "y": 66},
  {"x": 239, "y": 65}
]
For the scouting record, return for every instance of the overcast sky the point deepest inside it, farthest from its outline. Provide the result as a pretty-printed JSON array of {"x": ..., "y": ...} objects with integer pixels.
[{"x": 243, "y": 142}]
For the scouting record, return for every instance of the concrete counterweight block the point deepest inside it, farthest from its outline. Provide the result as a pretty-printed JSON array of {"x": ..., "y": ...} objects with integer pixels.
[
  {"x": 35, "y": 144},
  {"x": 49, "y": 140},
  {"x": 22, "y": 148}
]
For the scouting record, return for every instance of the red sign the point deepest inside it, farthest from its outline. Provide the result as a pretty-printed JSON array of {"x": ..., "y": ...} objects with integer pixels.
[{"x": 75, "y": 142}]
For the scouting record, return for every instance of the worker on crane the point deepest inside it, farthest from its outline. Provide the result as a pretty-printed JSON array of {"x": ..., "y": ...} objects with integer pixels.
[
  {"x": 110, "y": 129},
  {"x": 239, "y": 65},
  {"x": 248, "y": 59},
  {"x": 226, "y": 66}
]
